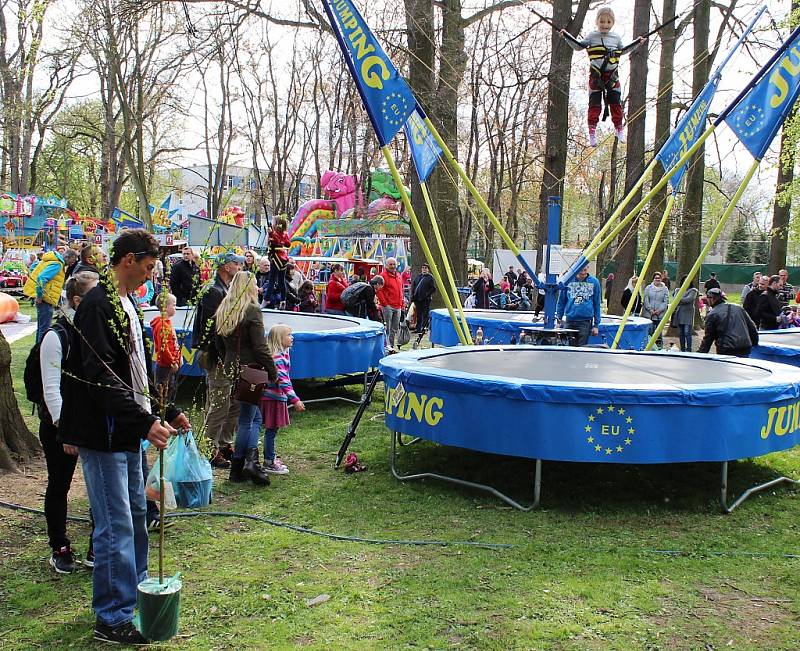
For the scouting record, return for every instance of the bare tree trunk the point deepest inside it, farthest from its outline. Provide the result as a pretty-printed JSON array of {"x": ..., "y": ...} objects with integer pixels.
[
  {"x": 782, "y": 206},
  {"x": 663, "y": 122},
  {"x": 692, "y": 218},
  {"x": 17, "y": 443},
  {"x": 555, "y": 150},
  {"x": 634, "y": 162}
]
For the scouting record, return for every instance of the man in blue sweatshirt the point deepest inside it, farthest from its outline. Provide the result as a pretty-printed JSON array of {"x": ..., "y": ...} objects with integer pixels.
[{"x": 580, "y": 304}]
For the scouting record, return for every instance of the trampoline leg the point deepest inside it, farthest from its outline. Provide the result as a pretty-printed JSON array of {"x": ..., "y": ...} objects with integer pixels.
[
  {"x": 537, "y": 482},
  {"x": 723, "y": 497}
]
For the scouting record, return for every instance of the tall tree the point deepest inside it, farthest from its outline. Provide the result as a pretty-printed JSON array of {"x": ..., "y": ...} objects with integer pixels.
[
  {"x": 628, "y": 243},
  {"x": 692, "y": 217},
  {"x": 558, "y": 78},
  {"x": 17, "y": 444}
]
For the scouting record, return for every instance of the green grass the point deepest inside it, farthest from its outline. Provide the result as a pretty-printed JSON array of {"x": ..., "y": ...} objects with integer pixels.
[{"x": 586, "y": 571}]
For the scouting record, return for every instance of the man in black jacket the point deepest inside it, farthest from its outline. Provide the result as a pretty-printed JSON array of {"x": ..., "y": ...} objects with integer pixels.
[
  {"x": 729, "y": 326},
  {"x": 184, "y": 278},
  {"x": 107, "y": 411},
  {"x": 422, "y": 290},
  {"x": 769, "y": 307},
  {"x": 359, "y": 299},
  {"x": 222, "y": 413},
  {"x": 750, "y": 302}
]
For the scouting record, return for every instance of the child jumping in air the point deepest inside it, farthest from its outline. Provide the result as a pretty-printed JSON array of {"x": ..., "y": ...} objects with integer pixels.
[
  {"x": 277, "y": 396},
  {"x": 604, "y": 48}
]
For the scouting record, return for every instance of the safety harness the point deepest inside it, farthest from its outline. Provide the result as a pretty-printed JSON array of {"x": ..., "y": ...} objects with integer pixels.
[{"x": 600, "y": 58}]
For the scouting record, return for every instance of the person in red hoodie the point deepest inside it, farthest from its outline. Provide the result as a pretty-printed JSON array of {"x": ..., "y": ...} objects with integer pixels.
[
  {"x": 279, "y": 243},
  {"x": 391, "y": 298},
  {"x": 333, "y": 294},
  {"x": 165, "y": 345}
]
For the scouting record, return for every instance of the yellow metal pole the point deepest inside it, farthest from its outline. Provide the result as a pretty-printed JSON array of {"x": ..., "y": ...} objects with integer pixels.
[
  {"x": 653, "y": 191},
  {"x": 623, "y": 204},
  {"x": 421, "y": 236},
  {"x": 645, "y": 269},
  {"x": 447, "y": 268},
  {"x": 696, "y": 266}
]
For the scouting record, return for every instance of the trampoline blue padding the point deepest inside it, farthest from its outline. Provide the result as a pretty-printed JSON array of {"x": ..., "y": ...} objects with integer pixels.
[
  {"x": 781, "y": 346},
  {"x": 324, "y": 344},
  {"x": 499, "y": 326},
  {"x": 589, "y": 405}
]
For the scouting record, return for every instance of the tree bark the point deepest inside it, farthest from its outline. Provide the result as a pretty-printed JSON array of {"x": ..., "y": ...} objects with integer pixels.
[
  {"x": 17, "y": 443},
  {"x": 634, "y": 162},
  {"x": 555, "y": 150},
  {"x": 663, "y": 123},
  {"x": 692, "y": 218},
  {"x": 783, "y": 204}
]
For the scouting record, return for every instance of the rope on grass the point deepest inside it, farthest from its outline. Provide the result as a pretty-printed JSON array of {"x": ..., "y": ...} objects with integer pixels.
[{"x": 296, "y": 528}]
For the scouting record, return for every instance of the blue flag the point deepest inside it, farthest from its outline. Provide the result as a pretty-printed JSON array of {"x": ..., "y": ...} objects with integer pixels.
[
  {"x": 125, "y": 220},
  {"x": 689, "y": 129},
  {"x": 424, "y": 149},
  {"x": 386, "y": 96},
  {"x": 759, "y": 114}
]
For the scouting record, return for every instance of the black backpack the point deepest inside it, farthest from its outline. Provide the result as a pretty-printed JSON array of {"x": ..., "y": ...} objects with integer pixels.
[
  {"x": 351, "y": 296},
  {"x": 32, "y": 376}
]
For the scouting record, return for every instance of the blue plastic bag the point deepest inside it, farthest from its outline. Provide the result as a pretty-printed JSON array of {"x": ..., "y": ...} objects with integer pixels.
[{"x": 190, "y": 474}]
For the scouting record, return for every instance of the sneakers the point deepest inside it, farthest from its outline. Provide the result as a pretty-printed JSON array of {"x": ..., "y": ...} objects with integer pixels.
[
  {"x": 620, "y": 136},
  {"x": 593, "y": 137},
  {"x": 219, "y": 460},
  {"x": 276, "y": 467},
  {"x": 155, "y": 525},
  {"x": 63, "y": 561},
  {"x": 122, "y": 634},
  {"x": 88, "y": 560}
]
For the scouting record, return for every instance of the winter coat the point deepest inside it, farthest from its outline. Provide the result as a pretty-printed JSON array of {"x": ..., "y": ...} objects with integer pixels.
[
  {"x": 165, "y": 342},
  {"x": 204, "y": 327},
  {"x": 183, "y": 279},
  {"x": 767, "y": 310},
  {"x": 333, "y": 293},
  {"x": 247, "y": 344},
  {"x": 423, "y": 288},
  {"x": 684, "y": 315},
  {"x": 655, "y": 299},
  {"x": 46, "y": 279},
  {"x": 732, "y": 330},
  {"x": 391, "y": 294}
]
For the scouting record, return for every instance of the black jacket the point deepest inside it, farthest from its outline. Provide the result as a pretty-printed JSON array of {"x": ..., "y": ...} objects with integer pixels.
[
  {"x": 423, "y": 288},
  {"x": 99, "y": 410},
  {"x": 183, "y": 280},
  {"x": 767, "y": 310},
  {"x": 750, "y": 303},
  {"x": 363, "y": 304},
  {"x": 247, "y": 344},
  {"x": 731, "y": 328},
  {"x": 204, "y": 327},
  {"x": 85, "y": 266},
  {"x": 626, "y": 298}
]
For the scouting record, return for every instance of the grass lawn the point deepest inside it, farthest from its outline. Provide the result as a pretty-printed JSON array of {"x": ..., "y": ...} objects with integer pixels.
[{"x": 618, "y": 557}]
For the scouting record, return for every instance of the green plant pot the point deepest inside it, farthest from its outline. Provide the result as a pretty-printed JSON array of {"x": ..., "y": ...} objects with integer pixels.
[{"x": 159, "y": 608}]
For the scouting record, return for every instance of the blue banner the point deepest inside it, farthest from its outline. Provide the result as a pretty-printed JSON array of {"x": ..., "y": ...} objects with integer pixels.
[
  {"x": 759, "y": 114},
  {"x": 126, "y": 220},
  {"x": 689, "y": 129},
  {"x": 424, "y": 149},
  {"x": 386, "y": 95}
]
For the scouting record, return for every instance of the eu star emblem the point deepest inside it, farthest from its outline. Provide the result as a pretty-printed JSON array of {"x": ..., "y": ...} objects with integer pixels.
[
  {"x": 612, "y": 429},
  {"x": 394, "y": 109}
]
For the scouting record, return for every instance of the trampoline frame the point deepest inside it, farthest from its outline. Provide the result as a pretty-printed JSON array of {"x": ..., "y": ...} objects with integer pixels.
[{"x": 727, "y": 509}]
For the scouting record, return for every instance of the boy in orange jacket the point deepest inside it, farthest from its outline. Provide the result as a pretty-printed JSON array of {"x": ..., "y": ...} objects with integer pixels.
[{"x": 167, "y": 351}]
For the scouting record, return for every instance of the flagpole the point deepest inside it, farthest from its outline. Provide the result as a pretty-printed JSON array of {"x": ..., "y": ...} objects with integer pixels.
[
  {"x": 447, "y": 268},
  {"x": 480, "y": 201},
  {"x": 697, "y": 263},
  {"x": 387, "y": 155},
  {"x": 645, "y": 268}
]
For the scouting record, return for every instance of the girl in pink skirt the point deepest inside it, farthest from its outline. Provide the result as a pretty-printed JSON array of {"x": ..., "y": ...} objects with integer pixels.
[{"x": 278, "y": 396}]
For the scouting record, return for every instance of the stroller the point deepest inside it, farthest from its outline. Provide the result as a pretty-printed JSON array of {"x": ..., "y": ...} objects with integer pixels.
[{"x": 510, "y": 302}]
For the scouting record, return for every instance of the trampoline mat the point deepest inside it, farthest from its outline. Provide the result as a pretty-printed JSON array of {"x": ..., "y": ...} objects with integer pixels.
[
  {"x": 588, "y": 367},
  {"x": 297, "y": 321},
  {"x": 789, "y": 339}
]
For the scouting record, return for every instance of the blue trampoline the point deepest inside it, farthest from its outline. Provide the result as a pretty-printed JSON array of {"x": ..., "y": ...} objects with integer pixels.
[
  {"x": 500, "y": 326},
  {"x": 585, "y": 405},
  {"x": 778, "y": 346},
  {"x": 324, "y": 345}
]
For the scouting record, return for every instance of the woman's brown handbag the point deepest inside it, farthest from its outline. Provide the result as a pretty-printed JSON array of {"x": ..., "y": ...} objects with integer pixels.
[{"x": 250, "y": 385}]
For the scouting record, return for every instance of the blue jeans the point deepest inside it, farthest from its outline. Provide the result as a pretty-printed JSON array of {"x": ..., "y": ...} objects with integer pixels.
[
  {"x": 584, "y": 329},
  {"x": 44, "y": 319},
  {"x": 685, "y": 337},
  {"x": 269, "y": 444},
  {"x": 116, "y": 495},
  {"x": 247, "y": 432}
]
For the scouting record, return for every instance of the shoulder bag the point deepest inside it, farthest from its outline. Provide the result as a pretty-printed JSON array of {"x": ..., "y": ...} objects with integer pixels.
[{"x": 251, "y": 382}]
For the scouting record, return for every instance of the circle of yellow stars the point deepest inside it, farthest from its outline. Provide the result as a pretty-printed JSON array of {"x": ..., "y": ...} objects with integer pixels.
[
  {"x": 609, "y": 444},
  {"x": 754, "y": 112},
  {"x": 394, "y": 109}
]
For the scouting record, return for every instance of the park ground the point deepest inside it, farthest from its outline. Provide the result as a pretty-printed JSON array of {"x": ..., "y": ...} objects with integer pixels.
[{"x": 618, "y": 557}]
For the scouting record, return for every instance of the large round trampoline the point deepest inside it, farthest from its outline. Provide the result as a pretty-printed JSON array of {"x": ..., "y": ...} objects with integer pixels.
[
  {"x": 584, "y": 405},
  {"x": 499, "y": 326},
  {"x": 778, "y": 346},
  {"x": 324, "y": 344}
]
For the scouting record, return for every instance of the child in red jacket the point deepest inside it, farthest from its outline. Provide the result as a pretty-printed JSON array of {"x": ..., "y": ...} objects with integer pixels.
[{"x": 166, "y": 349}]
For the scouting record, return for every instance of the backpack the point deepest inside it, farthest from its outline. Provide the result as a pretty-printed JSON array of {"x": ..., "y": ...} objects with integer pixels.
[
  {"x": 351, "y": 296},
  {"x": 32, "y": 375}
]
